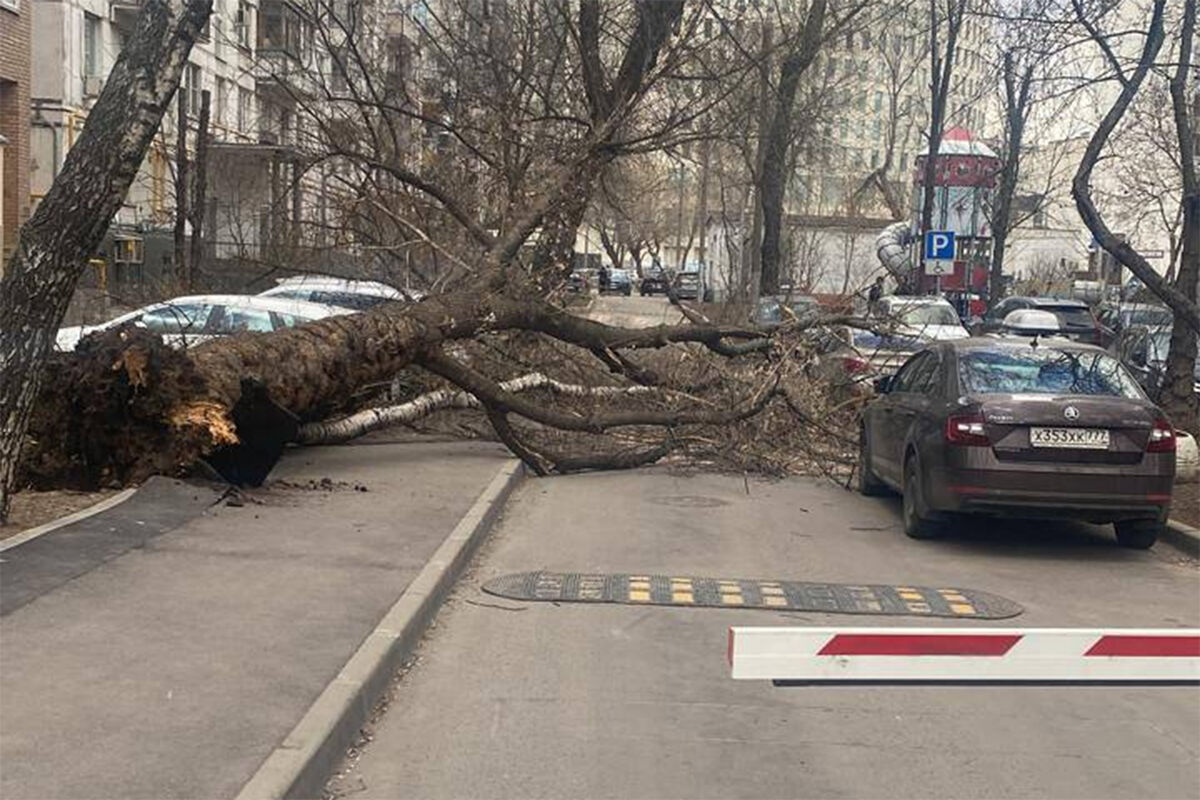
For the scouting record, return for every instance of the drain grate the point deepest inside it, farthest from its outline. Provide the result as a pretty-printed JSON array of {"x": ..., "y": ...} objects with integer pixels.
[{"x": 779, "y": 595}]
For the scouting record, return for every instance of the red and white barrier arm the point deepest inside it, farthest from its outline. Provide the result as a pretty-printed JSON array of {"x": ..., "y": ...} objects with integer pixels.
[{"x": 1147, "y": 655}]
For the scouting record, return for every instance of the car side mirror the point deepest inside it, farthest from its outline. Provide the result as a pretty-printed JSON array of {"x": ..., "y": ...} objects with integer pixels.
[{"x": 883, "y": 385}]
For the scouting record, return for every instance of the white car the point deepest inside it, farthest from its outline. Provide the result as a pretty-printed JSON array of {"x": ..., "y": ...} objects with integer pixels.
[
  {"x": 923, "y": 318},
  {"x": 341, "y": 292},
  {"x": 186, "y": 321}
]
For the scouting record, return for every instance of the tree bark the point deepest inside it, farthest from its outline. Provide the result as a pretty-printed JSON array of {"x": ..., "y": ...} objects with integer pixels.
[
  {"x": 774, "y": 172},
  {"x": 941, "y": 69},
  {"x": 182, "y": 190},
  {"x": 1016, "y": 104},
  {"x": 54, "y": 244},
  {"x": 1178, "y": 397},
  {"x": 199, "y": 202}
]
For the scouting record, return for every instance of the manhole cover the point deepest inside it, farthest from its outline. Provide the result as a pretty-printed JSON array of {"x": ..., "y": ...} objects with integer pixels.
[
  {"x": 690, "y": 501},
  {"x": 833, "y": 598}
]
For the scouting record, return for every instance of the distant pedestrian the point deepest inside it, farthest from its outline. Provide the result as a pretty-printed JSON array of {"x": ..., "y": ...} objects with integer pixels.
[
  {"x": 875, "y": 294},
  {"x": 604, "y": 279}
]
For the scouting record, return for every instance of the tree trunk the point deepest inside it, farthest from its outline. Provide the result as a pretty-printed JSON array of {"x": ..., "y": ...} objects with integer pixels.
[
  {"x": 774, "y": 172},
  {"x": 182, "y": 191},
  {"x": 1016, "y": 102},
  {"x": 199, "y": 201},
  {"x": 1178, "y": 397},
  {"x": 54, "y": 244}
]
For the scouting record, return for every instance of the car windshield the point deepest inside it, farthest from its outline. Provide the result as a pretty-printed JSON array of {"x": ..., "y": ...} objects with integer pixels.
[
  {"x": 927, "y": 314},
  {"x": 1044, "y": 370}
]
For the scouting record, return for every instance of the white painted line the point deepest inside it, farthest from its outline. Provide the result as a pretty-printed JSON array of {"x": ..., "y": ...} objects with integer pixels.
[
  {"x": 965, "y": 654},
  {"x": 32, "y": 533}
]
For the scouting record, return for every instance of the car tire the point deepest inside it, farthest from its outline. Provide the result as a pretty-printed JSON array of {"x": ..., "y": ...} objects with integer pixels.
[
  {"x": 869, "y": 484},
  {"x": 1138, "y": 534},
  {"x": 916, "y": 525}
]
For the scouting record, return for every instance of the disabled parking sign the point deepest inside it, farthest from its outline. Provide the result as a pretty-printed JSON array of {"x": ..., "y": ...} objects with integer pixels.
[{"x": 939, "y": 252}]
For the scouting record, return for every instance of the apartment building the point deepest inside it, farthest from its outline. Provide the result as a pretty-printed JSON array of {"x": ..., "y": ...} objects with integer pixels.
[
  {"x": 15, "y": 26},
  {"x": 255, "y": 59}
]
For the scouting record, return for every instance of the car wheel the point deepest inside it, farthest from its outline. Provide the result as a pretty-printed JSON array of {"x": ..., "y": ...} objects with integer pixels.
[
  {"x": 868, "y": 482},
  {"x": 916, "y": 526},
  {"x": 1138, "y": 534}
]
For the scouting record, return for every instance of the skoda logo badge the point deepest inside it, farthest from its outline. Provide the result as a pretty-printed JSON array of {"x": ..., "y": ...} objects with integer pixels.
[{"x": 1071, "y": 412}]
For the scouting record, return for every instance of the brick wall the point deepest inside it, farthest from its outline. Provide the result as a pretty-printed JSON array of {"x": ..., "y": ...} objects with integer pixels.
[{"x": 15, "y": 29}]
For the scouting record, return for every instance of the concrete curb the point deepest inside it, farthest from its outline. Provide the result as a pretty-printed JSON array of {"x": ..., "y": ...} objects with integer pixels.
[
  {"x": 1182, "y": 537},
  {"x": 92, "y": 510},
  {"x": 300, "y": 765}
]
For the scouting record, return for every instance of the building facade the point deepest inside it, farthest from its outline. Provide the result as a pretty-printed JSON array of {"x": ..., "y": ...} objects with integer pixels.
[{"x": 15, "y": 28}]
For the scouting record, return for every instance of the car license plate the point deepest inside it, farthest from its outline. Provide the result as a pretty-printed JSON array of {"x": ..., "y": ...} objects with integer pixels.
[{"x": 1072, "y": 438}]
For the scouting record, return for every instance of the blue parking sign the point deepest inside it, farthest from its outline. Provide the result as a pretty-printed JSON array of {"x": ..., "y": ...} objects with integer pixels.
[{"x": 939, "y": 245}]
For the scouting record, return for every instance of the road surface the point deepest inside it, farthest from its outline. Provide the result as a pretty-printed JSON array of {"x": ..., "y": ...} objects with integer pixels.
[
  {"x": 527, "y": 699},
  {"x": 634, "y": 312}
]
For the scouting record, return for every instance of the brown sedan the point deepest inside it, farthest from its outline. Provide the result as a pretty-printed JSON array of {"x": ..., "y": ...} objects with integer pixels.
[{"x": 1019, "y": 427}]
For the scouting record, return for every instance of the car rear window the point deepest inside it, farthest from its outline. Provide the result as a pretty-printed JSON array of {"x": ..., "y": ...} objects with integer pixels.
[
  {"x": 1072, "y": 316},
  {"x": 867, "y": 341},
  {"x": 1152, "y": 317},
  {"x": 1044, "y": 370}
]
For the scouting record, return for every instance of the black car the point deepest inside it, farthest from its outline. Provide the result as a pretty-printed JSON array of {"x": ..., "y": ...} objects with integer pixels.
[
  {"x": 654, "y": 282},
  {"x": 1075, "y": 318},
  {"x": 1143, "y": 350}
]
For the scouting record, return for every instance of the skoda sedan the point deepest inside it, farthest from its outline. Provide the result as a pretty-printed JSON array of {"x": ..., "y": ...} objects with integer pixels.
[{"x": 1019, "y": 427}]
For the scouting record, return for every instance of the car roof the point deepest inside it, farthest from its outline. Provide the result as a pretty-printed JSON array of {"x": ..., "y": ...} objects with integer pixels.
[
  {"x": 914, "y": 300},
  {"x": 330, "y": 283},
  {"x": 1015, "y": 343},
  {"x": 1060, "y": 302}
]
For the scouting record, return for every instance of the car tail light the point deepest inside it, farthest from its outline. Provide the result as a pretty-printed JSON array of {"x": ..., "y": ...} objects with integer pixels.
[
  {"x": 852, "y": 365},
  {"x": 1162, "y": 438},
  {"x": 966, "y": 429}
]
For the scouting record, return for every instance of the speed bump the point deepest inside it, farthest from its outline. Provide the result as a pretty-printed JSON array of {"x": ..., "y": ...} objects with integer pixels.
[{"x": 776, "y": 595}]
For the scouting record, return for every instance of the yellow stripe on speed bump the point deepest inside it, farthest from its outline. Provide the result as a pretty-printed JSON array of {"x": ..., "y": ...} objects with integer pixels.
[{"x": 742, "y": 593}]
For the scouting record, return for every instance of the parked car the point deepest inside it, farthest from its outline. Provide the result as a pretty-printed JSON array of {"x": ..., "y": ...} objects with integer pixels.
[
  {"x": 620, "y": 281},
  {"x": 854, "y": 359},
  {"x": 1002, "y": 427},
  {"x": 687, "y": 285},
  {"x": 654, "y": 282},
  {"x": 1031, "y": 322},
  {"x": 1115, "y": 318},
  {"x": 577, "y": 283},
  {"x": 769, "y": 312},
  {"x": 1143, "y": 350},
  {"x": 188, "y": 321},
  {"x": 341, "y": 292},
  {"x": 925, "y": 318},
  {"x": 1075, "y": 318}
]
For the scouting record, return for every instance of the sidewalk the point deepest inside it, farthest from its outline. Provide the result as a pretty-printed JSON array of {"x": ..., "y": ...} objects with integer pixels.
[{"x": 168, "y": 659}]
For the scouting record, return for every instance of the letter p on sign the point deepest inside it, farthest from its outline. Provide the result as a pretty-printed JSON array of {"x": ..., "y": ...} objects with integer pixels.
[{"x": 939, "y": 245}]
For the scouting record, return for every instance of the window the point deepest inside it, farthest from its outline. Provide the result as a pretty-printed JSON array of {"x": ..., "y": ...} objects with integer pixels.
[
  {"x": 241, "y": 25},
  {"x": 878, "y": 101},
  {"x": 222, "y": 111},
  {"x": 191, "y": 85},
  {"x": 913, "y": 374},
  {"x": 242, "y": 320},
  {"x": 874, "y": 159},
  {"x": 1045, "y": 370},
  {"x": 91, "y": 46},
  {"x": 245, "y": 110},
  {"x": 903, "y": 161},
  {"x": 175, "y": 319}
]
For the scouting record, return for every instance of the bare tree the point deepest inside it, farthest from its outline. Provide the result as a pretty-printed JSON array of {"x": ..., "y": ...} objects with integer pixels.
[
  {"x": 1180, "y": 295},
  {"x": 65, "y": 229}
]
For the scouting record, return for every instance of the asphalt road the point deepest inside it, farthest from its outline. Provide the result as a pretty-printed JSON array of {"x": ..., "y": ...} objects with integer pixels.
[
  {"x": 526, "y": 699},
  {"x": 634, "y": 312}
]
